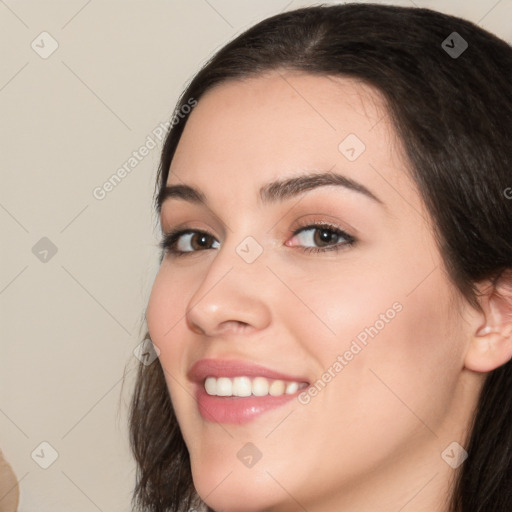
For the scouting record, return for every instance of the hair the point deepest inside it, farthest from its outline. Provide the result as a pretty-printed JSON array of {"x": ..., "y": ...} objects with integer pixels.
[{"x": 453, "y": 115}]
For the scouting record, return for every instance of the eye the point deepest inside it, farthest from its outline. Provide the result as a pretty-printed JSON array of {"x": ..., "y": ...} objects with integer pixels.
[
  {"x": 181, "y": 242},
  {"x": 325, "y": 236}
]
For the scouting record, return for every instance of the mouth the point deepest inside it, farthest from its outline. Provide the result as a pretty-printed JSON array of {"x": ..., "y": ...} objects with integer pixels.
[{"x": 237, "y": 392}]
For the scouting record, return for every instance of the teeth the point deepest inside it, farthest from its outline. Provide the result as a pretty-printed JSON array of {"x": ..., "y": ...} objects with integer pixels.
[
  {"x": 277, "y": 388},
  {"x": 260, "y": 386},
  {"x": 291, "y": 388},
  {"x": 224, "y": 386},
  {"x": 244, "y": 386}
]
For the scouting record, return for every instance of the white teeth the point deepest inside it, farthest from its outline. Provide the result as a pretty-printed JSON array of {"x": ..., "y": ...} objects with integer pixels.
[
  {"x": 224, "y": 386},
  {"x": 210, "y": 384},
  {"x": 243, "y": 386},
  {"x": 291, "y": 388},
  {"x": 260, "y": 386}
]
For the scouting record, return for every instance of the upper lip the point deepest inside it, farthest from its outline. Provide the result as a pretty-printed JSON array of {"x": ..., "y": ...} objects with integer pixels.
[{"x": 235, "y": 368}]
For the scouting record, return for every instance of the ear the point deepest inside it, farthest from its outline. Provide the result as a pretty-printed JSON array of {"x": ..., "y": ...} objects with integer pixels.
[{"x": 490, "y": 345}]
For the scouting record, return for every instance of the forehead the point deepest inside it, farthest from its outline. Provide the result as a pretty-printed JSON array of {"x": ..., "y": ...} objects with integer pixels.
[
  {"x": 308, "y": 106},
  {"x": 255, "y": 130}
]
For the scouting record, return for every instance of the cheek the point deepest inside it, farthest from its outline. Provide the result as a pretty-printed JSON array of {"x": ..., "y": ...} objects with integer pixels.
[
  {"x": 167, "y": 328},
  {"x": 393, "y": 388},
  {"x": 396, "y": 335},
  {"x": 157, "y": 311},
  {"x": 165, "y": 316},
  {"x": 402, "y": 354},
  {"x": 333, "y": 307}
]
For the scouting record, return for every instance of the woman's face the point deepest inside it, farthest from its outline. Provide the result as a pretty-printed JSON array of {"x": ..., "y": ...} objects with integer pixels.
[{"x": 372, "y": 329}]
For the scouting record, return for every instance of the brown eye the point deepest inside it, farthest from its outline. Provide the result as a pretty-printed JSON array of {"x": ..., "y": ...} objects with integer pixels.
[
  {"x": 187, "y": 241},
  {"x": 199, "y": 240},
  {"x": 322, "y": 237}
]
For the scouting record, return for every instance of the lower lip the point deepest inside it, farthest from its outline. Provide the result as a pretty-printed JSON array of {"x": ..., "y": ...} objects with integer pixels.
[{"x": 237, "y": 410}]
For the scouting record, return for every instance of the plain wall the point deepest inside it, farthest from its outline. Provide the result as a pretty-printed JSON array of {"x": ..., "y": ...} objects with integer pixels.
[{"x": 69, "y": 324}]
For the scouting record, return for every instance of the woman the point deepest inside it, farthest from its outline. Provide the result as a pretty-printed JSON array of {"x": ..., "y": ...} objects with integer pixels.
[{"x": 333, "y": 309}]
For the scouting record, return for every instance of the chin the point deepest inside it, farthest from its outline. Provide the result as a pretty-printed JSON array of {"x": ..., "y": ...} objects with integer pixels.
[{"x": 236, "y": 489}]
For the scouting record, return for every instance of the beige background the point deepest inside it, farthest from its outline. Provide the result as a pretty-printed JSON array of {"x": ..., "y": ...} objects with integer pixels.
[{"x": 68, "y": 122}]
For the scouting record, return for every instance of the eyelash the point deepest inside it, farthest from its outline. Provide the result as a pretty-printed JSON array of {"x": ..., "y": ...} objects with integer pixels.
[{"x": 169, "y": 240}]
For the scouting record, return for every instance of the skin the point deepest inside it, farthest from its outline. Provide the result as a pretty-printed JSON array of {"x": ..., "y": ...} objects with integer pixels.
[{"x": 372, "y": 438}]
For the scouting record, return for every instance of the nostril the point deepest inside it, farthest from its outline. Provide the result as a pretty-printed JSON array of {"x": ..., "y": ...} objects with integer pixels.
[
  {"x": 195, "y": 328},
  {"x": 235, "y": 326}
]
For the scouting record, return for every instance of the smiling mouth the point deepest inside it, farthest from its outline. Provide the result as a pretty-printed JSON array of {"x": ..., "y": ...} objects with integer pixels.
[
  {"x": 240, "y": 391},
  {"x": 244, "y": 386}
]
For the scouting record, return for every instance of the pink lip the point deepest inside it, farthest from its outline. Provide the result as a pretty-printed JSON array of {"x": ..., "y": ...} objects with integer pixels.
[
  {"x": 236, "y": 410},
  {"x": 234, "y": 368}
]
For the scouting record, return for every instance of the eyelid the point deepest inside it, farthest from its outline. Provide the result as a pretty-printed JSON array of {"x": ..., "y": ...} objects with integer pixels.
[
  {"x": 319, "y": 225},
  {"x": 167, "y": 228},
  {"x": 334, "y": 222}
]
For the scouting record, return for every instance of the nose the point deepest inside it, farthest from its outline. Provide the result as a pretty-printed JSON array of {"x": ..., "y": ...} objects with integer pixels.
[{"x": 232, "y": 297}]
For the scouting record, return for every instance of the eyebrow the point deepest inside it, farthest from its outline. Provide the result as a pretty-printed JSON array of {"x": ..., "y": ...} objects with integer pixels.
[{"x": 274, "y": 191}]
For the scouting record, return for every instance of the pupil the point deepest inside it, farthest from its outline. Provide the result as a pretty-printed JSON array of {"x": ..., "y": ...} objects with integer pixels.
[
  {"x": 200, "y": 240},
  {"x": 325, "y": 235}
]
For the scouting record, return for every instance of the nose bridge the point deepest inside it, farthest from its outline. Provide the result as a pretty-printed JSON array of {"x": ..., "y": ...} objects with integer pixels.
[{"x": 232, "y": 290}]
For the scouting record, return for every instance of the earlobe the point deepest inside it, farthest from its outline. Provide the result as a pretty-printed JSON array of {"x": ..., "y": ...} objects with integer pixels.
[{"x": 491, "y": 343}]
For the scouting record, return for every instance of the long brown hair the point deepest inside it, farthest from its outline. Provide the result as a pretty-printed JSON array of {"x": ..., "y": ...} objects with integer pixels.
[{"x": 453, "y": 114}]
